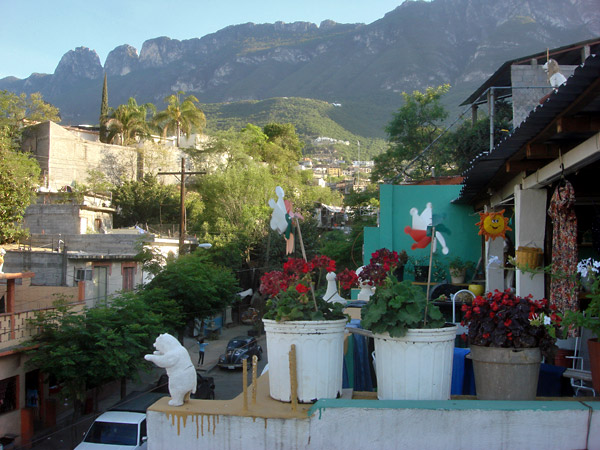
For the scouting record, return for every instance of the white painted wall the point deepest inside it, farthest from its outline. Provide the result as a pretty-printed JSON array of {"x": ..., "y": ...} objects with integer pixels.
[
  {"x": 372, "y": 424},
  {"x": 530, "y": 228}
]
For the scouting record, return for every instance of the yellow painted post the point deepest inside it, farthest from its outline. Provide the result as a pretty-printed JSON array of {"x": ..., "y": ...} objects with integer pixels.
[
  {"x": 254, "y": 369},
  {"x": 293, "y": 379},
  {"x": 245, "y": 381}
]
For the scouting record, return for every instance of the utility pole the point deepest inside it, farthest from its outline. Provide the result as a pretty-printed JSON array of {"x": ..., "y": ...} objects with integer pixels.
[
  {"x": 358, "y": 177},
  {"x": 182, "y": 217}
]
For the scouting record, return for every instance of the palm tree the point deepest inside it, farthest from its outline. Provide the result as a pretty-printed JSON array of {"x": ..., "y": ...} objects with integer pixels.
[
  {"x": 129, "y": 122},
  {"x": 181, "y": 116}
]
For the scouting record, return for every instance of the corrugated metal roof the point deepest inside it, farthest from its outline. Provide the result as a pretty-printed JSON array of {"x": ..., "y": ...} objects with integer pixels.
[
  {"x": 485, "y": 166},
  {"x": 563, "y": 55}
]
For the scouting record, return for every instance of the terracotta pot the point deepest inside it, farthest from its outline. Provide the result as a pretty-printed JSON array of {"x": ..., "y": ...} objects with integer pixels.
[
  {"x": 561, "y": 359},
  {"x": 594, "y": 351}
]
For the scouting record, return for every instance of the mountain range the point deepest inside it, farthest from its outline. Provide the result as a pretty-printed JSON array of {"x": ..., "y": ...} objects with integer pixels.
[{"x": 359, "y": 70}]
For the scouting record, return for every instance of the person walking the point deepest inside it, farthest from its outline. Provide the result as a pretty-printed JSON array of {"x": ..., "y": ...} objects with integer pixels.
[{"x": 201, "y": 347}]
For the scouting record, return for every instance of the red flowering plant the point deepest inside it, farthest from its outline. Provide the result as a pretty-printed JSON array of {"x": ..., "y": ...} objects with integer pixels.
[
  {"x": 382, "y": 262},
  {"x": 347, "y": 279},
  {"x": 503, "y": 319},
  {"x": 292, "y": 291}
]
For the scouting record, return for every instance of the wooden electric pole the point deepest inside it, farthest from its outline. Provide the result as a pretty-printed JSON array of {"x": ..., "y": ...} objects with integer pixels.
[{"x": 182, "y": 217}]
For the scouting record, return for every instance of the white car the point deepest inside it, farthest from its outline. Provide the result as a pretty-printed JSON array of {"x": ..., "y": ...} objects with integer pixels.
[
  {"x": 116, "y": 430},
  {"x": 123, "y": 427}
]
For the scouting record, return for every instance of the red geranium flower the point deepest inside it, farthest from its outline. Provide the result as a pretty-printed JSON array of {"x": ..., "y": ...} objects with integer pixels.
[
  {"x": 503, "y": 319},
  {"x": 300, "y": 288}
]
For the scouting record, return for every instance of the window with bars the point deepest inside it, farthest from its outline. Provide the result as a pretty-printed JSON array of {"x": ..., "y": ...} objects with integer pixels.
[{"x": 8, "y": 394}]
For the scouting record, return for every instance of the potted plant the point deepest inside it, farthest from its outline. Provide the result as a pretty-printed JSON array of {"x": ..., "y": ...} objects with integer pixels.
[
  {"x": 419, "y": 266},
  {"x": 590, "y": 318},
  {"x": 507, "y": 336},
  {"x": 588, "y": 270},
  {"x": 296, "y": 315},
  {"x": 458, "y": 269},
  {"x": 412, "y": 341},
  {"x": 372, "y": 275}
]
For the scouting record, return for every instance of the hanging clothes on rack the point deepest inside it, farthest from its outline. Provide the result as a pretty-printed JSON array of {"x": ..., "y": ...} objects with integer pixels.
[{"x": 563, "y": 286}]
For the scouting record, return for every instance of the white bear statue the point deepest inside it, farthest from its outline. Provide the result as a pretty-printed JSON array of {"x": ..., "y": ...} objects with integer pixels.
[{"x": 171, "y": 355}]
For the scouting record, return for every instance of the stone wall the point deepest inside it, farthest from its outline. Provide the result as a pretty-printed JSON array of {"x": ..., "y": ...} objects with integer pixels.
[
  {"x": 49, "y": 267},
  {"x": 52, "y": 219},
  {"x": 66, "y": 159},
  {"x": 534, "y": 77}
]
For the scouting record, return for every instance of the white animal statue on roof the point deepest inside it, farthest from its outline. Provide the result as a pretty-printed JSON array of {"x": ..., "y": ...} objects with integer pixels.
[
  {"x": 173, "y": 356},
  {"x": 555, "y": 78}
]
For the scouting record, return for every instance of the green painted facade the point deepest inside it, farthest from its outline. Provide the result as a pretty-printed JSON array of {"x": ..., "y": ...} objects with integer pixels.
[{"x": 396, "y": 201}]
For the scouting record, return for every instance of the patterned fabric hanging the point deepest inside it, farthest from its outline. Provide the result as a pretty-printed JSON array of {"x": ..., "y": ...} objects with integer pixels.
[
  {"x": 596, "y": 230},
  {"x": 563, "y": 287}
]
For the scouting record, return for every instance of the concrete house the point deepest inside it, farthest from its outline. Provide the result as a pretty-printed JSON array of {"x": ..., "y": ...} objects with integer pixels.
[
  {"x": 26, "y": 401},
  {"x": 555, "y": 144},
  {"x": 72, "y": 235}
]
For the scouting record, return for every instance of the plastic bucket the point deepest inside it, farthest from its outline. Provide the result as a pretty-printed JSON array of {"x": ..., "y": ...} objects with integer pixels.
[
  {"x": 506, "y": 373},
  {"x": 417, "y": 366},
  {"x": 319, "y": 358}
]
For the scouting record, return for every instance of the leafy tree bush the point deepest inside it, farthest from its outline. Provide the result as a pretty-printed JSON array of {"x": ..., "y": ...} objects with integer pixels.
[
  {"x": 414, "y": 127},
  {"x": 199, "y": 287},
  {"x": 150, "y": 202},
  {"x": 469, "y": 140},
  {"x": 102, "y": 344},
  {"x": 19, "y": 173}
]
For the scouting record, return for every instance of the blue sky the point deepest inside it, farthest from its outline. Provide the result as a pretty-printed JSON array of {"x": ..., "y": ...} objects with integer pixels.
[{"x": 35, "y": 34}]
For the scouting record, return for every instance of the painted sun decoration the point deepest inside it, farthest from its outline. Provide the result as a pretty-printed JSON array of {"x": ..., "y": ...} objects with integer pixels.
[{"x": 493, "y": 224}]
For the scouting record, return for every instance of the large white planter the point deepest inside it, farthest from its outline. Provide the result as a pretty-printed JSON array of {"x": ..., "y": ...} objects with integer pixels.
[
  {"x": 417, "y": 366},
  {"x": 319, "y": 358}
]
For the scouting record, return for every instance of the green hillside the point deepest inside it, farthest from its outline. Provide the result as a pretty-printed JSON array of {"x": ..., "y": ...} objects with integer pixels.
[{"x": 312, "y": 119}]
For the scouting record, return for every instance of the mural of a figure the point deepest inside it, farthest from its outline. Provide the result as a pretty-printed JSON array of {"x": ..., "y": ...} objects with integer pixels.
[{"x": 418, "y": 230}]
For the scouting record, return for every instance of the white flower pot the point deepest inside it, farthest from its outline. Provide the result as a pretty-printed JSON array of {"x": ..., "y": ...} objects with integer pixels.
[
  {"x": 417, "y": 366},
  {"x": 319, "y": 358}
]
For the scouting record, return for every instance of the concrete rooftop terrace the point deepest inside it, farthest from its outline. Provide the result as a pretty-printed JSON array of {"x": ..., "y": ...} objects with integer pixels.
[{"x": 363, "y": 422}]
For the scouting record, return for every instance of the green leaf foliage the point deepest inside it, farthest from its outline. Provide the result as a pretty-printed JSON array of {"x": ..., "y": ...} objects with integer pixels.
[
  {"x": 415, "y": 126},
  {"x": 199, "y": 287},
  {"x": 149, "y": 201},
  {"x": 86, "y": 349},
  {"x": 285, "y": 307},
  {"x": 398, "y": 306}
]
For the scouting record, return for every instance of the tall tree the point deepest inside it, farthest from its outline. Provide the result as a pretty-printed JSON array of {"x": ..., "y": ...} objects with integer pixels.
[
  {"x": 106, "y": 343},
  {"x": 129, "y": 122},
  {"x": 104, "y": 112},
  {"x": 181, "y": 116},
  {"x": 470, "y": 139},
  {"x": 414, "y": 128},
  {"x": 199, "y": 287},
  {"x": 19, "y": 172},
  {"x": 148, "y": 201}
]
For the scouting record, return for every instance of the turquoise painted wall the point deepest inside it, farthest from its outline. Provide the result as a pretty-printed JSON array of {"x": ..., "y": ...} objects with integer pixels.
[{"x": 396, "y": 201}]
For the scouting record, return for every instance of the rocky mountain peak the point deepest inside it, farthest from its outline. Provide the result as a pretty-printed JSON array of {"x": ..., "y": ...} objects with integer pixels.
[
  {"x": 79, "y": 63},
  {"x": 160, "y": 51},
  {"x": 122, "y": 60}
]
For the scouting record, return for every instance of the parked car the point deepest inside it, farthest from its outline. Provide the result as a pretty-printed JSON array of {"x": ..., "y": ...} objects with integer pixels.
[
  {"x": 205, "y": 387},
  {"x": 124, "y": 426},
  {"x": 238, "y": 349}
]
